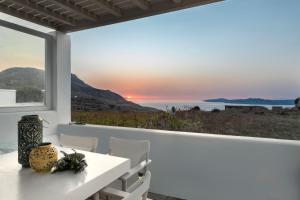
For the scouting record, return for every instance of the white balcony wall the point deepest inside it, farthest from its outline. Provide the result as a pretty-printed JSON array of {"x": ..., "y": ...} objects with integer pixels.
[
  {"x": 61, "y": 94},
  {"x": 197, "y": 166}
]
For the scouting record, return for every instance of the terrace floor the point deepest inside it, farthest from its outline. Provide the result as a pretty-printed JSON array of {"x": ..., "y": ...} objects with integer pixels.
[{"x": 154, "y": 196}]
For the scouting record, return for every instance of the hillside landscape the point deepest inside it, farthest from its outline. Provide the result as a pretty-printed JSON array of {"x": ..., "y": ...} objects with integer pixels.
[
  {"x": 29, "y": 83},
  {"x": 87, "y": 98},
  {"x": 104, "y": 107}
]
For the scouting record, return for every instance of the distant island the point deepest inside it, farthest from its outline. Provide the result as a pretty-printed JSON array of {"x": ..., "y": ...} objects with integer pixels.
[{"x": 254, "y": 101}]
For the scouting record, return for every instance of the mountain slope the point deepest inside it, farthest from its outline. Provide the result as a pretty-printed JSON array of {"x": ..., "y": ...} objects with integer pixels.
[
  {"x": 18, "y": 77},
  {"x": 86, "y": 97},
  {"x": 30, "y": 80},
  {"x": 80, "y": 88}
]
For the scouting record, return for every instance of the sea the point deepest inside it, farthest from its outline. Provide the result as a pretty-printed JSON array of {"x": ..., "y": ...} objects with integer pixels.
[{"x": 205, "y": 106}]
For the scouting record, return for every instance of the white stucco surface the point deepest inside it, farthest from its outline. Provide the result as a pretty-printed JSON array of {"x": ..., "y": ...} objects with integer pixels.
[
  {"x": 198, "y": 166},
  {"x": 60, "y": 95}
]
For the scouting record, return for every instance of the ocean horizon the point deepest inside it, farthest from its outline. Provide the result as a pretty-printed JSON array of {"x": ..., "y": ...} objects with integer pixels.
[{"x": 205, "y": 106}]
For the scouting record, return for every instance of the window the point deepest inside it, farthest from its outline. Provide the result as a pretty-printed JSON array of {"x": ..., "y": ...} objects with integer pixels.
[{"x": 24, "y": 68}]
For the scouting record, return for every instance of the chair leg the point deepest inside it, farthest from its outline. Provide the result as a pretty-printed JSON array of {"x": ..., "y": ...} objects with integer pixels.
[
  {"x": 124, "y": 185},
  {"x": 145, "y": 195},
  {"x": 96, "y": 196}
]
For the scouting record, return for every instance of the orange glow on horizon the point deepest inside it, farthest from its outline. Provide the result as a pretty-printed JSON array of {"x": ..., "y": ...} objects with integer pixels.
[
  {"x": 141, "y": 98},
  {"x": 149, "y": 99}
]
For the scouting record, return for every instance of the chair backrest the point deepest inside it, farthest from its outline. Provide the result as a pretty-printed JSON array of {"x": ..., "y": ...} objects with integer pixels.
[
  {"x": 141, "y": 190},
  {"x": 53, "y": 138},
  {"x": 136, "y": 150},
  {"x": 79, "y": 142}
]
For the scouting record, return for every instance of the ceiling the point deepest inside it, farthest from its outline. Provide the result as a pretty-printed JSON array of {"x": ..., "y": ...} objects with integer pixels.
[{"x": 76, "y": 15}]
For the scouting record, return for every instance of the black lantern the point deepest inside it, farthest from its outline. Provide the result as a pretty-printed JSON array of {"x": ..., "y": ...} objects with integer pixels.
[{"x": 30, "y": 134}]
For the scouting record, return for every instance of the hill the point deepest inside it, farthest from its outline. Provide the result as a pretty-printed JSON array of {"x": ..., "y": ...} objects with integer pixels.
[
  {"x": 88, "y": 98},
  {"x": 18, "y": 77},
  {"x": 29, "y": 83},
  {"x": 254, "y": 101}
]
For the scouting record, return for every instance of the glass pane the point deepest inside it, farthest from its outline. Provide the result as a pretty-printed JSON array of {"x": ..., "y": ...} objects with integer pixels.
[{"x": 22, "y": 69}]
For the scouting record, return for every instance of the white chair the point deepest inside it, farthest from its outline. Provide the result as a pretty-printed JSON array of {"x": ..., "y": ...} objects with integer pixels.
[
  {"x": 140, "y": 193},
  {"x": 53, "y": 138},
  {"x": 79, "y": 142},
  {"x": 138, "y": 153}
]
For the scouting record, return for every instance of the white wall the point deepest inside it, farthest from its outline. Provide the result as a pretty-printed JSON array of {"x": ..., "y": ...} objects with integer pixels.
[
  {"x": 7, "y": 97},
  {"x": 61, "y": 94},
  {"x": 9, "y": 124},
  {"x": 212, "y": 167}
]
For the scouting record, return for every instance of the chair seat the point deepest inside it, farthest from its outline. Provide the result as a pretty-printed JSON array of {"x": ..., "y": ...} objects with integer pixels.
[
  {"x": 140, "y": 192},
  {"x": 133, "y": 185}
]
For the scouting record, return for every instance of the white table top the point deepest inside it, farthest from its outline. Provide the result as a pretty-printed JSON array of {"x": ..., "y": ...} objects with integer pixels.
[{"x": 24, "y": 184}]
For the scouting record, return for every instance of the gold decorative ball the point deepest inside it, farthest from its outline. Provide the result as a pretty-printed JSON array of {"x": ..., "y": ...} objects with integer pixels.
[{"x": 43, "y": 157}]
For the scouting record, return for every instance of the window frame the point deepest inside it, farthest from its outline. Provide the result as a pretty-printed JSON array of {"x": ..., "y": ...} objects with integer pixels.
[{"x": 49, "y": 45}]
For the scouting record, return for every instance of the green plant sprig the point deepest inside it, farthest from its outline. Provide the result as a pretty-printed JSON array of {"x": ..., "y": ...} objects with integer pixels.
[{"x": 74, "y": 161}]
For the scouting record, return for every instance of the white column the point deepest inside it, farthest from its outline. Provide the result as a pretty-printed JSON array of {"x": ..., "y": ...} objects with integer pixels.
[{"x": 61, "y": 74}]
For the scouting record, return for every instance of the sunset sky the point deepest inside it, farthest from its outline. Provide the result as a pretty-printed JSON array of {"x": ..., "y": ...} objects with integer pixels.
[
  {"x": 231, "y": 49},
  {"x": 14, "y": 50}
]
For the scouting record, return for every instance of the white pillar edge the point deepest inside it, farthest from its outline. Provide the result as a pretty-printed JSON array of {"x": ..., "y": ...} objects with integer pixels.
[{"x": 61, "y": 76}]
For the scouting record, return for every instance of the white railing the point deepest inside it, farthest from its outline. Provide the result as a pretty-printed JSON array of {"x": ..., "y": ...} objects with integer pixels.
[{"x": 197, "y": 166}]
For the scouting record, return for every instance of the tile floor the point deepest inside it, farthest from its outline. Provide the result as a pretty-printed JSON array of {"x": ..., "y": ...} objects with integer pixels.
[{"x": 154, "y": 196}]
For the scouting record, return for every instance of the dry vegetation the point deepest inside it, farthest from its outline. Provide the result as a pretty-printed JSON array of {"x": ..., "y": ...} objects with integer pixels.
[{"x": 267, "y": 124}]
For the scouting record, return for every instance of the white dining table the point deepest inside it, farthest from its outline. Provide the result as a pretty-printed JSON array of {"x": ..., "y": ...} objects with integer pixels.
[{"x": 17, "y": 183}]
